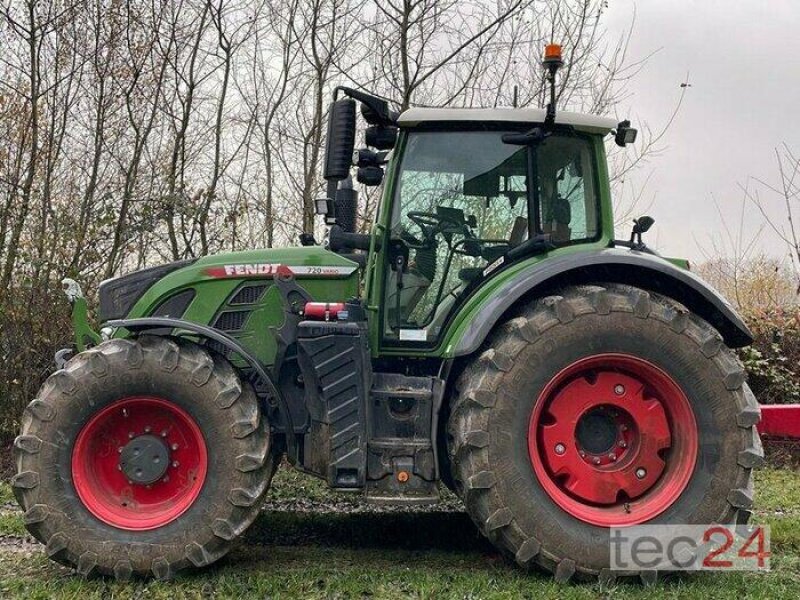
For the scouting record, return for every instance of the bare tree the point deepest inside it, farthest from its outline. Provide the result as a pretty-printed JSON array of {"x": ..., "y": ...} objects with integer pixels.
[
  {"x": 136, "y": 133},
  {"x": 31, "y": 26},
  {"x": 270, "y": 88},
  {"x": 787, "y": 193}
]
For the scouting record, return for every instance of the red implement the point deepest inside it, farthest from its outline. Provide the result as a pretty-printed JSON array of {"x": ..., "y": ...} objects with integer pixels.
[{"x": 780, "y": 421}]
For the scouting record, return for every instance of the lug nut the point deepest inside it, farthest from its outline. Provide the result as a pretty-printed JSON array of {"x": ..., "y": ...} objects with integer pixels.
[
  {"x": 583, "y": 454},
  {"x": 612, "y": 457},
  {"x": 165, "y": 479},
  {"x": 148, "y": 429},
  {"x": 174, "y": 446},
  {"x": 641, "y": 473},
  {"x": 596, "y": 460},
  {"x": 623, "y": 444},
  {"x": 175, "y": 463},
  {"x": 623, "y": 428},
  {"x": 619, "y": 389},
  {"x": 164, "y": 433},
  {"x": 125, "y": 412},
  {"x": 560, "y": 448},
  {"x": 130, "y": 435},
  {"x": 119, "y": 450}
]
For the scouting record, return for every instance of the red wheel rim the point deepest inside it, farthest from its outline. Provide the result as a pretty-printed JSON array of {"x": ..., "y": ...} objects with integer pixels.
[
  {"x": 613, "y": 440},
  {"x": 105, "y": 482}
]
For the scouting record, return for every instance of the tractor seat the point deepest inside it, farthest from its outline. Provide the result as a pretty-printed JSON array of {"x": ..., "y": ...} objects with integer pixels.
[{"x": 470, "y": 274}]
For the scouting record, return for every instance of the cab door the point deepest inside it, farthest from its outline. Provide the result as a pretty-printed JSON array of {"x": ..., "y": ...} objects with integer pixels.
[{"x": 460, "y": 200}]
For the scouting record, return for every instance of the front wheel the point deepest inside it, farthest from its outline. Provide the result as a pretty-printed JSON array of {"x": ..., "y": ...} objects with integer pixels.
[
  {"x": 602, "y": 407},
  {"x": 142, "y": 458}
]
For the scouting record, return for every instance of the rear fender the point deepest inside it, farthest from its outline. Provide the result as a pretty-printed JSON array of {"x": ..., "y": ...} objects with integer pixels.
[{"x": 610, "y": 265}]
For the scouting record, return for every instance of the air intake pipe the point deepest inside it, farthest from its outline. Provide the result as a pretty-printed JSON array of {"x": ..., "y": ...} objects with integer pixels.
[{"x": 345, "y": 206}]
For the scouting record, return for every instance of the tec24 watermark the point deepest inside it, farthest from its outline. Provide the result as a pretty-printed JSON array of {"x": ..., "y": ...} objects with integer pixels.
[{"x": 690, "y": 548}]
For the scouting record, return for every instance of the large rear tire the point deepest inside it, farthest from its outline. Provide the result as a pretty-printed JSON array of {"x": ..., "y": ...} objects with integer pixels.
[
  {"x": 142, "y": 458},
  {"x": 601, "y": 407}
]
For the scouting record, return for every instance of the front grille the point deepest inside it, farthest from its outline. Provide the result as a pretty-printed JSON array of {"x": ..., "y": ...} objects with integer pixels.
[
  {"x": 233, "y": 320},
  {"x": 248, "y": 294}
]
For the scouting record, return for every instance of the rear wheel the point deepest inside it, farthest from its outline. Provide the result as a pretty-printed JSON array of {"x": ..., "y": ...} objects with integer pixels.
[
  {"x": 601, "y": 407},
  {"x": 142, "y": 458}
]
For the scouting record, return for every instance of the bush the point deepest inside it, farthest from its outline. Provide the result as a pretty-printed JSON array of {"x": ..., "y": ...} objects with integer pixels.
[
  {"x": 34, "y": 323},
  {"x": 773, "y": 361}
]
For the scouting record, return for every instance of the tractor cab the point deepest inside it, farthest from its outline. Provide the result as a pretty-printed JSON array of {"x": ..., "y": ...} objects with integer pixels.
[
  {"x": 463, "y": 202},
  {"x": 467, "y": 194}
]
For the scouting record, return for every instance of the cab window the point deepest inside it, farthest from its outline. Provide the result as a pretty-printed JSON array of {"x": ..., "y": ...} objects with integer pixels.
[
  {"x": 566, "y": 189},
  {"x": 462, "y": 200}
]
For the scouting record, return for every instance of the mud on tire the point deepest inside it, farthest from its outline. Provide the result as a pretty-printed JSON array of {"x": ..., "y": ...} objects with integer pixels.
[
  {"x": 497, "y": 393},
  {"x": 226, "y": 410}
]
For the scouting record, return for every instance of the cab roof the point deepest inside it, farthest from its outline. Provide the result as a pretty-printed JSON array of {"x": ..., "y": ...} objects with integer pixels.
[{"x": 588, "y": 123}]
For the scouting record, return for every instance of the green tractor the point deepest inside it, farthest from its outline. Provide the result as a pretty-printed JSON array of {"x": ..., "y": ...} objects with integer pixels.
[{"x": 489, "y": 334}]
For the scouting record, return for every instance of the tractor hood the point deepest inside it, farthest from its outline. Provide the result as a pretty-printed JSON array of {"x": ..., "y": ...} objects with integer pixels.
[
  {"x": 141, "y": 292},
  {"x": 302, "y": 263}
]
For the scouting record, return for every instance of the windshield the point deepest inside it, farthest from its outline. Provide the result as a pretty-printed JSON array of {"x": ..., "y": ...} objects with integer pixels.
[{"x": 462, "y": 200}]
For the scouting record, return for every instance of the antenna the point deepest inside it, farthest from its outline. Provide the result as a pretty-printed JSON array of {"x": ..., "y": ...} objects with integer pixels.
[
  {"x": 552, "y": 62},
  {"x": 516, "y": 92}
]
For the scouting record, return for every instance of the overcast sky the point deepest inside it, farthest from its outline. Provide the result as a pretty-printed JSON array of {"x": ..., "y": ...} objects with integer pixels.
[{"x": 743, "y": 59}]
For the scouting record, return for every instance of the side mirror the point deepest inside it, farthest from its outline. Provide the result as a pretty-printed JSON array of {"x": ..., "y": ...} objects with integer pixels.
[
  {"x": 643, "y": 224},
  {"x": 625, "y": 134},
  {"x": 640, "y": 226},
  {"x": 381, "y": 137},
  {"x": 341, "y": 139}
]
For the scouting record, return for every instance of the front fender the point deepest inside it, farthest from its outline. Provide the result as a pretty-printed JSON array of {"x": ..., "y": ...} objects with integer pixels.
[
  {"x": 609, "y": 265},
  {"x": 178, "y": 326}
]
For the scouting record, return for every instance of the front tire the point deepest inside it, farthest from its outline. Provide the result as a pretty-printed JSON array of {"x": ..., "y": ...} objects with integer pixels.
[
  {"x": 601, "y": 407},
  {"x": 142, "y": 458}
]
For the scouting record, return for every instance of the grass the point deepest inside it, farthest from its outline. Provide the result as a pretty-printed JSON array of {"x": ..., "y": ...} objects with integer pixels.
[
  {"x": 335, "y": 554},
  {"x": 6, "y": 495}
]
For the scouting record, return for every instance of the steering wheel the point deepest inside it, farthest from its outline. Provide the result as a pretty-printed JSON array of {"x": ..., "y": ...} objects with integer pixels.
[{"x": 431, "y": 223}]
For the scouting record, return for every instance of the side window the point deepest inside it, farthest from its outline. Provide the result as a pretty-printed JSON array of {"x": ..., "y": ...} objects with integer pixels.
[{"x": 567, "y": 191}]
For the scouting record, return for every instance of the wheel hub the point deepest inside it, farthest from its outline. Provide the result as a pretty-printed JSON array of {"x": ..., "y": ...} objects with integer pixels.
[
  {"x": 613, "y": 440},
  {"x": 145, "y": 459},
  {"x": 597, "y": 431}
]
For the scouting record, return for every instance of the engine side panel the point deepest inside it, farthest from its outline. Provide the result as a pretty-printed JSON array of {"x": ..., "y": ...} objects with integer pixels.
[{"x": 236, "y": 292}]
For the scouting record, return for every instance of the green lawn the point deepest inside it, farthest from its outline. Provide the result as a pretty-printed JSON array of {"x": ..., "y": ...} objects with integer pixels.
[{"x": 312, "y": 548}]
